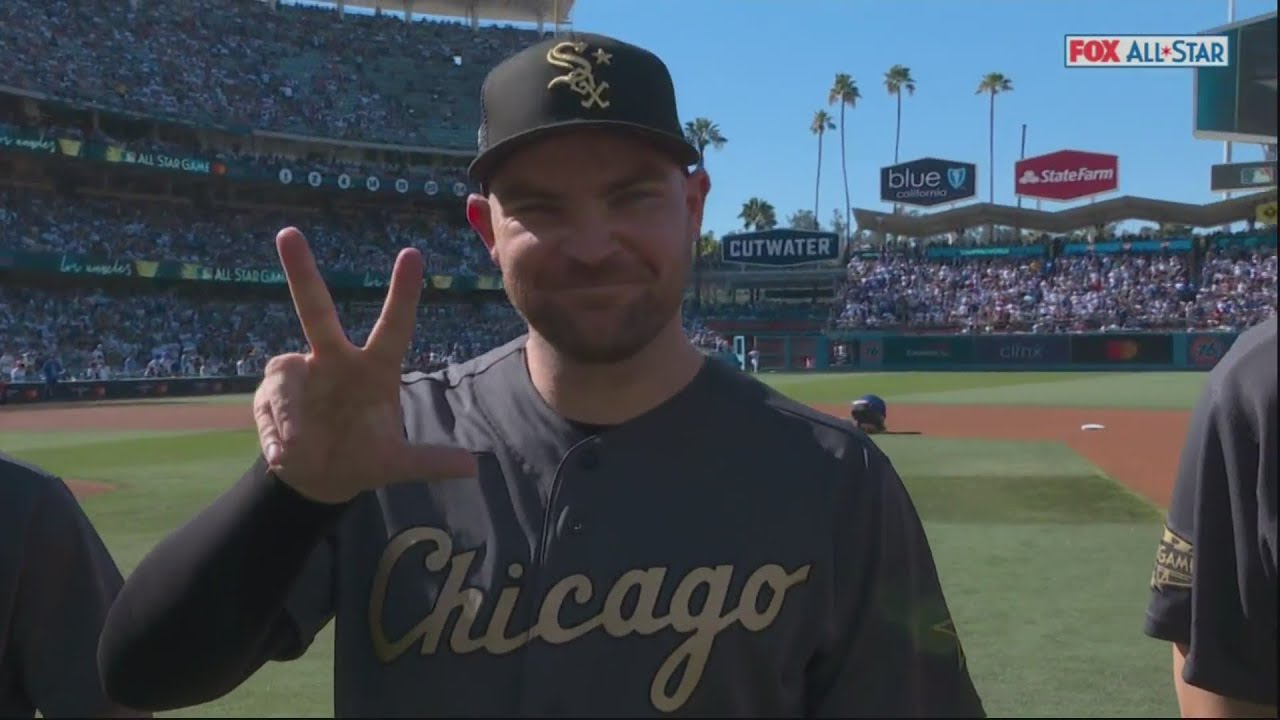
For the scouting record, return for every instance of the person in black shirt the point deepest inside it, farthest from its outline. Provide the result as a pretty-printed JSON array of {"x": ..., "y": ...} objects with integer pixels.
[
  {"x": 57, "y": 581},
  {"x": 593, "y": 519},
  {"x": 1213, "y": 589}
]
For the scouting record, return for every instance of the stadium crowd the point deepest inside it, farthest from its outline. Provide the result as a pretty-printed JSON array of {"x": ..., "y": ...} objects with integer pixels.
[
  {"x": 242, "y": 63},
  {"x": 242, "y": 237},
  {"x": 1233, "y": 289},
  {"x": 94, "y": 335}
]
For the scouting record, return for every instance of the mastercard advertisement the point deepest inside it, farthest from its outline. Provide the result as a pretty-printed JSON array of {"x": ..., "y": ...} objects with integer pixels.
[{"x": 1122, "y": 349}]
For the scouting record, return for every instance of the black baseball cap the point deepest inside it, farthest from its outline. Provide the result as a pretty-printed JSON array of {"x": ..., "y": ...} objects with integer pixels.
[{"x": 580, "y": 81}]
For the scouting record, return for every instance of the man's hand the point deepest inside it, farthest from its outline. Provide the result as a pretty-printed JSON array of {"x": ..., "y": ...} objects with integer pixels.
[{"x": 329, "y": 420}]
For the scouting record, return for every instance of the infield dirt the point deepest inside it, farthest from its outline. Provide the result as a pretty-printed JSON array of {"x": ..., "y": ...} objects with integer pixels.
[{"x": 1134, "y": 449}]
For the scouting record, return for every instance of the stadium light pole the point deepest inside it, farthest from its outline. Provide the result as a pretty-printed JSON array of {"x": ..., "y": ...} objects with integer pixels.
[
  {"x": 1226, "y": 145},
  {"x": 1022, "y": 155}
]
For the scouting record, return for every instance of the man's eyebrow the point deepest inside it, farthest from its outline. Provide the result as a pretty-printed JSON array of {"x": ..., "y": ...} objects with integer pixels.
[{"x": 642, "y": 176}]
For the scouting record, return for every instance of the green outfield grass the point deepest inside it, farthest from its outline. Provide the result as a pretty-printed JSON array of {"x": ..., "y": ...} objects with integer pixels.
[
  {"x": 1044, "y": 559},
  {"x": 1147, "y": 390}
]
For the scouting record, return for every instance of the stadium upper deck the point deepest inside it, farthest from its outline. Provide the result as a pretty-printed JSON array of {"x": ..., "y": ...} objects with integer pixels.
[{"x": 298, "y": 70}]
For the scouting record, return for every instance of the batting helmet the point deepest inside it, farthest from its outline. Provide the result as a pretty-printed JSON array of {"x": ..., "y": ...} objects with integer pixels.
[{"x": 869, "y": 412}]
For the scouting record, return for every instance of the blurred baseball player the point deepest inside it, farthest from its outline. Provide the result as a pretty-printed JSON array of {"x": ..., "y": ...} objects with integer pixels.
[
  {"x": 632, "y": 529},
  {"x": 1213, "y": 590},
  {"x": 869, "y": 413},
  {"x": 57, "y": 581}
]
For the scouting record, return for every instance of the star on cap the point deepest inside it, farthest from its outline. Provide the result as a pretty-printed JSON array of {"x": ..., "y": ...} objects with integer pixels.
[{"x": 602, "y": 57}]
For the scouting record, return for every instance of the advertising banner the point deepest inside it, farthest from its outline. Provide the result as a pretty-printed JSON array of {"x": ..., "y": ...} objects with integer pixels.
[
  {"x": 927, "y": 350},
  {"x": 928, "y": 181},
  {"x": 1265, "y": 214},
  {"x": 1122, "y": 349},
  {"x": 1228, "y": 177},
  {"x": 1204, "y": 350},
  {"x": 1127, "y": 246},
  {"x": 1066, "y": 175},
  {"x": 780, "y": 248},
  {"x": 943, "y": 251},
  {"x": 871, "y": 353},
  {"x": 175, "y": 270},
  {"x": 302, "y": 174},
  {"x": 188, "y": 164},
  {"x": 1020, "y": 350}
]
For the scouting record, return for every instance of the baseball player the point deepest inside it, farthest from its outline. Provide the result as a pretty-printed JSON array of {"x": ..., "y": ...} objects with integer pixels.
[
  {"x": 1213, "y": 590},
  {"x": 869, "y": 414},
  {"x": 591, "y": 519},
  {"x": 57, "y": 581}
]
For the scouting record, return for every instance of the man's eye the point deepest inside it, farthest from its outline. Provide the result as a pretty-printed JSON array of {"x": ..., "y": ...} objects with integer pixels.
[{"x": 634, "y": 196}]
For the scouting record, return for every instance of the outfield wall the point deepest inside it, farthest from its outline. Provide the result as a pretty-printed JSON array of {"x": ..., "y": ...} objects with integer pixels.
[
  {"x": 879, "y": 351},
  {"x": 125, "y": 389},
  {"x": 866, "y": 351}
]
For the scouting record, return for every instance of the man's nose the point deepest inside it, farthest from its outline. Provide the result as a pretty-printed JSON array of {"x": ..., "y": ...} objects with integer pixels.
[{"x": 589, "y": 241}]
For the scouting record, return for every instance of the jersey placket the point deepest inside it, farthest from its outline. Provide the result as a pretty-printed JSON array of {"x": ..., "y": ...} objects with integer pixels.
[{"x": 565, "y": 522}]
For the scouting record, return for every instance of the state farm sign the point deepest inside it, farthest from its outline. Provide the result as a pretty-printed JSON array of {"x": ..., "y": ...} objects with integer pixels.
[{"x": 1066, "y": 175}]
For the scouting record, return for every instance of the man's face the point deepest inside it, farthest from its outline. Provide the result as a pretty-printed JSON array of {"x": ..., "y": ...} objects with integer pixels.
[{"x": 593, "y": 232}]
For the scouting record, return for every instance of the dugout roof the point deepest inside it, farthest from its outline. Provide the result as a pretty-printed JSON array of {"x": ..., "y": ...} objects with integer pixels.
[
  {"x": 1062, "y": 222},
  {"x": 555, "y": 12}
]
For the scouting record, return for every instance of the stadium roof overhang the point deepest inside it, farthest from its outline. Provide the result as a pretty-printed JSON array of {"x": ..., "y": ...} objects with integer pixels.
[
  {"x": 1081, "y": 217},
  {"x": 522, "y": 11}
]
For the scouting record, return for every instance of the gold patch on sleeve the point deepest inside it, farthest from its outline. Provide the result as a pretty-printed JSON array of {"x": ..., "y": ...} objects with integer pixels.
[{"x": 1175, "y": 562}]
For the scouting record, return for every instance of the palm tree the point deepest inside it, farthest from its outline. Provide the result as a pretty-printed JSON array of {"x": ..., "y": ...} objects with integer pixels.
[
  {"x": 897, "y": 79},
  {"x": 803, "y": 219},
  {"x": 993, "y": 84},
  {"x": 844, "y": 90},
  {"x": 758, "y": 214},
  {"x": 702, "y": 133},
  {"x": 821, "y": 124}
]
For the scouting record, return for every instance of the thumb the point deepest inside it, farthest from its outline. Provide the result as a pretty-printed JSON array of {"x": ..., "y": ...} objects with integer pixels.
[{"x": 420, "y": 461}]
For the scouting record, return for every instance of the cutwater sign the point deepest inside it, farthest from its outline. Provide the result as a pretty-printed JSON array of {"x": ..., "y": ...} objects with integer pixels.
[
  {"x": 928, "y": 181},
  {"x": 780, "y": 248}
]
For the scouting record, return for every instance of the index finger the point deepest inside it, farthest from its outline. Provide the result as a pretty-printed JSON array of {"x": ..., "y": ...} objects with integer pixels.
[
  {"x": 392, "y": 334},
  {"x": 311, "y": 298}
]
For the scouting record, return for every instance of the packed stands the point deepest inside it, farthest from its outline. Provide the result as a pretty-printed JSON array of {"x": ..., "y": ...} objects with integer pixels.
[
  {"x": 98, "y": 335},
  {"x": 242, "y": 64},
  {"x": 136, "y": 230},
  {"x": 1232, "y": 289},
  {"x": 192, "y": 79}
]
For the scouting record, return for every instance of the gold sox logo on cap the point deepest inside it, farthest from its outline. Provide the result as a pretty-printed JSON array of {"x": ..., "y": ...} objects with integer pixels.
[{"x": 580, "y": 77}]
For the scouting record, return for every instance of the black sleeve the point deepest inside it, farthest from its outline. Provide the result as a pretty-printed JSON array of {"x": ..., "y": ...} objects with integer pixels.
[
  {"x": 206, "y": 607},
  {"x": 896, "y": 651},
  {"x": 1213, "y": 588},
  {"x": 66, "y": 586}
]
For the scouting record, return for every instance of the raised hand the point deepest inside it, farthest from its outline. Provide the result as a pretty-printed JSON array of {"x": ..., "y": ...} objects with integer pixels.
[{"x": 329, "y": 420}]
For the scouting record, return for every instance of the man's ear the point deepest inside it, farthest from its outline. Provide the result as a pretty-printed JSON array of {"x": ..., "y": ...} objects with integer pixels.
[
  {"x": 697, "y": 187},
  {"x": 480, "y": 218}
]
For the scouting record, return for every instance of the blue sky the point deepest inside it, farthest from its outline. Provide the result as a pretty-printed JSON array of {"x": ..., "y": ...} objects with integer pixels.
[{"x": 760, "y": 69}]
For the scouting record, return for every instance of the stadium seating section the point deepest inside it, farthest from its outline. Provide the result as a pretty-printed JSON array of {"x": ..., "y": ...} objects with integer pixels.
[{"x": 237, "y": 65}]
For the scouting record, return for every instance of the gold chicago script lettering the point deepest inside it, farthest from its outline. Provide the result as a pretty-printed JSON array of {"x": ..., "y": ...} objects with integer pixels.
[{"x": 700, "y": 610}]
